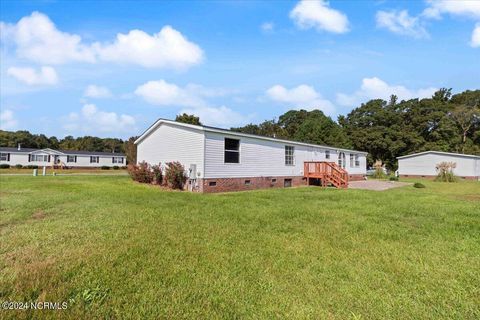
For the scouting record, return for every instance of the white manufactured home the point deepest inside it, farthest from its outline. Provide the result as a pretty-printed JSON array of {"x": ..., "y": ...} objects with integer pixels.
[
  {"x": 424, "y": 164},
  {"x": 59, "y": 158},
  {"x": 224, "y": 160}
]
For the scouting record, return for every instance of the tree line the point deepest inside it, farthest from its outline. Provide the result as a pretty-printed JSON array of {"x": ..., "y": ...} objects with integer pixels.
[
  {"x": 384, "y": 129},
  {"x": 388, "y": 129}
]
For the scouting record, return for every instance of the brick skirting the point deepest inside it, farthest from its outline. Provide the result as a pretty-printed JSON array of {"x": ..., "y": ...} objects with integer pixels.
[
  {"x": 252, "y": 183},
  {"x": 248, "y": 183},
  {"x": 430, "y": 177}
]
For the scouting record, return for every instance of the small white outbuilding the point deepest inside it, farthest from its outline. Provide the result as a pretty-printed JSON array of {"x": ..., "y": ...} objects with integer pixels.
[{"x": 424, "y": 164}]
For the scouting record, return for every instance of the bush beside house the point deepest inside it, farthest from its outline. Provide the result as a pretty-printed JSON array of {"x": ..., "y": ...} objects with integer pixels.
[{"x": 172, "y": 175}]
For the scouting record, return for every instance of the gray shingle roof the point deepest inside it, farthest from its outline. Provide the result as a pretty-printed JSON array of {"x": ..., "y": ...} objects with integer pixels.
[{"x": 73, "y": 152}]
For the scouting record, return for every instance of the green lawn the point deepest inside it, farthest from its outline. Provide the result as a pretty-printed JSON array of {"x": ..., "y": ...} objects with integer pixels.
[{"x": 112, "y": 248}]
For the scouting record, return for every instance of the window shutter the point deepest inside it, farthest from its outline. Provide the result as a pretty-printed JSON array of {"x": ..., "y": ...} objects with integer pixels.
[
  {"x": 29, "y": 158},
  {"x": 8, "y": 156},
  {"x": 48, "y": 158},
  {"x": 113, "y": 159},
  {"x": 75, "y": 159}
]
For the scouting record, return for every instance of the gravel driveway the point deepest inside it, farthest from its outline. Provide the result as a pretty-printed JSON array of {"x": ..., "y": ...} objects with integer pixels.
[{"x": 377, "y": 185}]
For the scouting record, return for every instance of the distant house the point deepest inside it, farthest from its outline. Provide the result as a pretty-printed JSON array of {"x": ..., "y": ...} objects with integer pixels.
[
  {"x": 61, "y": 158},
  {"x": 423, "y": 164},
  {"x": 223, "y": 160}
]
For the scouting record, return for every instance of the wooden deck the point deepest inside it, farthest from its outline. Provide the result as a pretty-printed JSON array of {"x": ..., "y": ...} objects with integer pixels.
[{"x": 328, "y": 173}]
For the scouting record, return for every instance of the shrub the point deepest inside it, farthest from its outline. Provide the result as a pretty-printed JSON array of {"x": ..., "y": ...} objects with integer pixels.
[
  {"x": 123, "y": 167},
  {"x": 116, "y": 167},
  {"x": 157, "y": 174},
  {"x": 32, "y": 166},
  {"x": 18, "y": 166},
  {"x": 105, "y": 167},
  {"x": 418, "y": 185},
  {"x": 175, "y": 175},
  {"x": 393, "y": 178},
  {"x": 4, "y": 166},
  {"x": 445, "y": 172},
  {"x": 141, "y": 173},
  {"x": 379, "y": 170}
]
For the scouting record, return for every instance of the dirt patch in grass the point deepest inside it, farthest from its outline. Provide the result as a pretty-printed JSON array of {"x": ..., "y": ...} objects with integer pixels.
[
  {"x": 469, "y": 197},
  {"x": 38, "y": 215}
]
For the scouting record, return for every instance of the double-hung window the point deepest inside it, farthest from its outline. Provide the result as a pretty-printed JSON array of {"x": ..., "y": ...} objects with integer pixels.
[
  {"x": 232, "y": 150},
  {"x": 357, "y": 160},
  {"x": 4, "y": 157},
  {"x": 327, "y": 154},
  {"x": 117, "y": 159},
  {"x": 39, "y": 157},
  {"x": 71, "y": 158},
  {"x": 94, "y": 159},
  {"x": 352, "y": 161},
  {"x": 289, "y": 155}
]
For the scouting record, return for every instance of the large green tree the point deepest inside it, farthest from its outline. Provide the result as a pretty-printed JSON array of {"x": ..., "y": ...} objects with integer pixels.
[{"x": 188, "y": 118}]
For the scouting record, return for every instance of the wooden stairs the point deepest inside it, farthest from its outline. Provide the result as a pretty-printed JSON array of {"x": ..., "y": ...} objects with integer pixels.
[{"x": 328, "y": 173}]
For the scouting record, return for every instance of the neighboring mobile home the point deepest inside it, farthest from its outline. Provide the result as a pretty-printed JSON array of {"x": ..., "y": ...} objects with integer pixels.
[
  {"x": 61, "y": 158},
  {"x": 424, "y": 164},
  {"x": 223, "y": 160}
]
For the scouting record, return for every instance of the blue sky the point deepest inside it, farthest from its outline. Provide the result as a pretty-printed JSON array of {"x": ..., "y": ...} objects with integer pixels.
[{"x": 111, "y": 68}]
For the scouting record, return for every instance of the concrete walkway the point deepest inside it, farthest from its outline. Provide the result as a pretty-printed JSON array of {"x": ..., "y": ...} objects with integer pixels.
[{"x": 377, "y": 185}]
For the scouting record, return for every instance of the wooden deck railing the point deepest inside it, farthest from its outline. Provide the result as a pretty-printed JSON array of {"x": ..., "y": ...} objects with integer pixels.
[{"x": 327, "y": 172}]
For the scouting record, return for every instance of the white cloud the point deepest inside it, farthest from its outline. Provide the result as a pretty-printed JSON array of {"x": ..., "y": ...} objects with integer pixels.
[
  {"x": 36, "y": 38},
  {"x": 401, "y": 22},
  {"x": 475, "y": 42},
  {"x": 90, "y": 120},
  {"x": 193, "y": 99},
  {"x": 7, "y": 120},
  {"x": 375, "y": 88},
  {"x": 93, "y": 91},
  {"x": 267, "y": 27},
  {"x": 220, "y": 117},
  {"x": 318, "y": 14},
  {"x": 302, "y": 96},
  {"x": 167, "y": 48},
  {"x": 30, "y": 76},
  {"x": 468, "y": 8},
  {"x": 162, "y": 93}
]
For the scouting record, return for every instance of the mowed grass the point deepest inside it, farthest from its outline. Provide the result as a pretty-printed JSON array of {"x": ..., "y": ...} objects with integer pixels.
[{"x": 116, "y": 249}]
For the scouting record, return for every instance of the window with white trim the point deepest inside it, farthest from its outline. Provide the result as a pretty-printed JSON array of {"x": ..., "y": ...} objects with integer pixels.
[
  {"x": 289, "y": 155},
  {"x": 71, "y": 158},
  {"x": 232, "y": 151},
  {"x": 352, "y": 160},
  {"x": 341, "y": 160},
  {"x": 357, "y": 160},
  {"x": 327, "y": 154},
  {"x": 39, "y": 157},
  {"x": 4, "y": 157},
  {"x": 94, "y": 159},
  {"x": 117, "y": 160}
]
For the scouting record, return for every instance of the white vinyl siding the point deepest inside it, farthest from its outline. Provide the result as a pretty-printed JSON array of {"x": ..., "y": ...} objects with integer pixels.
[
  {"x": 172, "y": 143},
  {"x": 424, "y": 165},
  {"x": 82, "y": 160},
  {"x": 260, "y": 157}
]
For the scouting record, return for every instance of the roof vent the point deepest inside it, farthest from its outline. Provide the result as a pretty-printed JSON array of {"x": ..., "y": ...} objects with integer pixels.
[{"x": 19, "y": 147}]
